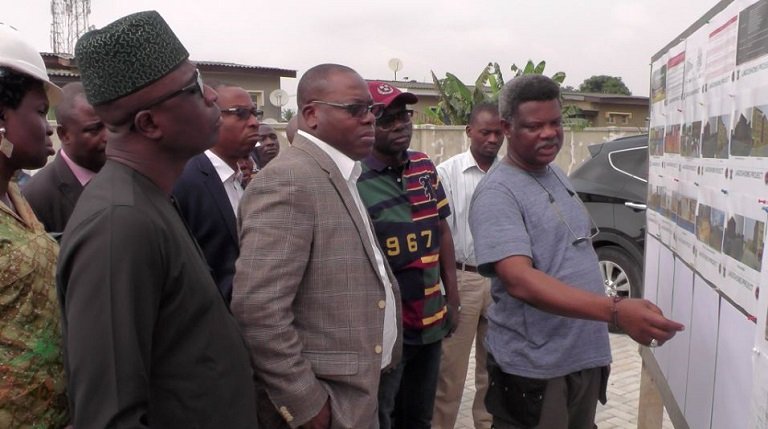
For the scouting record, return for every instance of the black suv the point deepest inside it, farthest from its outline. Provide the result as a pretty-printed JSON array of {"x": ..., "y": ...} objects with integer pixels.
[{"x": 613, "y": 185}]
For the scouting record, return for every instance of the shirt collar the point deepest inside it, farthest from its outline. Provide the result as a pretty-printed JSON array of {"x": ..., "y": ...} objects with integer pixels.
[
  {"x": 348, "y": 167},
  {"x": 224, "y": 171},
  {"x": 468, "y": 162},
  {"x": 82, "y": 174},
  {"x": 376, "y": 164}
]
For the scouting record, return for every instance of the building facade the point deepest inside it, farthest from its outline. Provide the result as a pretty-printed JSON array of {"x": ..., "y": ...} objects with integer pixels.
[{"x": 258, "y": 81}]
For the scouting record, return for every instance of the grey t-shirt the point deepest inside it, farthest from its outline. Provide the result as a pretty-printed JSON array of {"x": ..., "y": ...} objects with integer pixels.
[{"x": 515, "y": 212}]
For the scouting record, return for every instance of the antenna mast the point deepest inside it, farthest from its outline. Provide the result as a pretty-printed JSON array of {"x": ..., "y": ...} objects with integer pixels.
[{"x": 70, "y": 21}]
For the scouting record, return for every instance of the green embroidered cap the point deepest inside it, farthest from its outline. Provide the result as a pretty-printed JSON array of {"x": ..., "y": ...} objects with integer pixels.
[{"x": 127, "y": 55}]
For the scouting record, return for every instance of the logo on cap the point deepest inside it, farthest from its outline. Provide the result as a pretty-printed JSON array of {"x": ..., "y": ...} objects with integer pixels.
[{"x": 384, "y": 89}]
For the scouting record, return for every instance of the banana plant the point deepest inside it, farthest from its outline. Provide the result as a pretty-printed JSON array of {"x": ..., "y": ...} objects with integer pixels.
[{"x": 457, "y": 100}]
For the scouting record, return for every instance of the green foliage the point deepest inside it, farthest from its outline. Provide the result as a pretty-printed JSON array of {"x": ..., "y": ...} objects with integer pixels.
[
  {"x": 457, "y": 99},
  {"x": 287, "y": 114},
  {"x": 573, "y": 118},
  {"x": 605, "y": 85}
]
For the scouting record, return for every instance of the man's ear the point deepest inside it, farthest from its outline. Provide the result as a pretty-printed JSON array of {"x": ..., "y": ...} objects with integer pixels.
[
  {"x": 144, "y": 123},
  {"x": 61, "y": 131},
  {"x": 507, "y": 127},
  {"x": 309, "y": 114}
]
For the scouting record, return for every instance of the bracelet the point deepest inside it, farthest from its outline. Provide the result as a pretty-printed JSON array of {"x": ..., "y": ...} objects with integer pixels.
[{"x": 615, "y": 310}]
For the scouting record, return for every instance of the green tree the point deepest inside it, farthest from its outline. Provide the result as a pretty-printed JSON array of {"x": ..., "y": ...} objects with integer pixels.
[
  {"x": 605, "y": 85},
  {"x": 457, "y": 99}
]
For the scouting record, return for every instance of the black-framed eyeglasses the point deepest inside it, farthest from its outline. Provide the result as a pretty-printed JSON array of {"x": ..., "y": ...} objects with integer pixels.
[
  {"x": 195, "y": 85},
  {"x": 357, "y": 110},
  {"x": 387, "y": 122},
  {"x": 244, "y": 113}
]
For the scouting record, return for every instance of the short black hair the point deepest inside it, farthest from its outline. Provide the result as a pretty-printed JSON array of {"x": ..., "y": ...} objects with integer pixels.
[
  {"x": 530, "y": 87},
  {"x": 69, "y": 93},
  {"x": 14, "y": 86},
  {"x": 485, "y": 106},
  {"x": 314, "y": 82}
]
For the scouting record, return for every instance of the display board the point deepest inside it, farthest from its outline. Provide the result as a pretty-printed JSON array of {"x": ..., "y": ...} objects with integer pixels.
[{"x": 707, "y": 214}]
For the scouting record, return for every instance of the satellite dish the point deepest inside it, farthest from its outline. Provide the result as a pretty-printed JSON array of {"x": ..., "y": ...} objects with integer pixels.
[
  {"x": 279, "y": 97},
  {"x": 395, "y": 64}
]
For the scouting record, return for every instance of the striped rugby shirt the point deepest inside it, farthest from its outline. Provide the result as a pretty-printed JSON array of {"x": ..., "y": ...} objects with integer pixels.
[{"x": 406, "y": 204}]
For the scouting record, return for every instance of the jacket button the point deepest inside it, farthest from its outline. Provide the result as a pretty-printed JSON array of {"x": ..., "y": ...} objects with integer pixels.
[
  {"x": 382, "y": 304},
  {"x": 377, "y": 349},
  {"x": 286, "y": 414}
]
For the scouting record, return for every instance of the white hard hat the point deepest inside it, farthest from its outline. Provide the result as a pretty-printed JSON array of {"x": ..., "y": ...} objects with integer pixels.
[{"x": 17, "y": 54}]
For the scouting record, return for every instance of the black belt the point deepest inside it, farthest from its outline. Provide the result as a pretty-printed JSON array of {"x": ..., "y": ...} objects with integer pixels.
[{"x": 466, "y": 267}]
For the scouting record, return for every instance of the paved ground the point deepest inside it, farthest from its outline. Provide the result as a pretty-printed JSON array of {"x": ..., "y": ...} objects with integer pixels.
[{"x": 623, "y": 390}]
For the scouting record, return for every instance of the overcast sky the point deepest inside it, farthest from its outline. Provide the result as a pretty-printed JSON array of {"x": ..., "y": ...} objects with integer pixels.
[{"x": 579, "y": 37}]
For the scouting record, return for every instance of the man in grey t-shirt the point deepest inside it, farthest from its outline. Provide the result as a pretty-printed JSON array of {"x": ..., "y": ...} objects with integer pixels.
[{"x": 547, "y": 338}]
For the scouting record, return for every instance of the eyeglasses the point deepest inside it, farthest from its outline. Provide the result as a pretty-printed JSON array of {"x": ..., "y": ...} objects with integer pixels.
[
  {"x": 244, "y": 113},
  {"x": 387, "y": 122},
  {"x": 357, "y": 110},
  {"x": 195, "y": 86},
  {"x": 577, "y": 239}
]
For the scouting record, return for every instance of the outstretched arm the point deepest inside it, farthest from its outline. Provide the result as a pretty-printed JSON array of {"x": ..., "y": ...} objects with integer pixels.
[{"x": 639, "y": 318}]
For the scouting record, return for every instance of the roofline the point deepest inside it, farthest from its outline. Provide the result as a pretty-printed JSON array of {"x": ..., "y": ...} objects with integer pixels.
[
  {"x": 214, "y": 66},
  {"x": 68, "y": 61}
]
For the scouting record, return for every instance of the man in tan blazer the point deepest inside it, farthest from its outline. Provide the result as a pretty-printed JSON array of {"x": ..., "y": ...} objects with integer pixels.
[{"x": 317, "y": 302}]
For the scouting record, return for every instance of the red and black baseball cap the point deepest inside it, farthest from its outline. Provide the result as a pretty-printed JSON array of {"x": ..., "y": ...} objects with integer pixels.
[{"x": 385, "y": 93}]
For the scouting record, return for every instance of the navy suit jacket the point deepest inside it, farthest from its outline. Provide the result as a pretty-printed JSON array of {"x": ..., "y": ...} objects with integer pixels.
[
  {"x": 205, "y": 207},
  {"x": 52, "y": 194}
]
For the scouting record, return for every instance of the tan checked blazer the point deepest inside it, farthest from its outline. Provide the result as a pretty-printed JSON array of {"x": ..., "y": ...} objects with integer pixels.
[{"x": 307, "y": 293}]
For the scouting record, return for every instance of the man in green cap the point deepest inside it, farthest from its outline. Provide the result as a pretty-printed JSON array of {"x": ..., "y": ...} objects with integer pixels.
[{"x": 149, "y": 340}]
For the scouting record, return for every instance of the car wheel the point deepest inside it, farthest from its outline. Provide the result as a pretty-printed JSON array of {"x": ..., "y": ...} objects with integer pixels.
[{"x": 621, "y": 274}]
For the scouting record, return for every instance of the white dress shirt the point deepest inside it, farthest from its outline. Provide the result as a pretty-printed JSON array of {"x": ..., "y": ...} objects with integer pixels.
[
  {"x": 459, "y": 176},
  {"x": 350, "y": 170},
  {"x": 230, "y": 178}
]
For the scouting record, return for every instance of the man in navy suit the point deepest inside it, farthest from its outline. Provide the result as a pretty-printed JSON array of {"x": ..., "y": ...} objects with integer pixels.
[{"x": 209, "y": 190}]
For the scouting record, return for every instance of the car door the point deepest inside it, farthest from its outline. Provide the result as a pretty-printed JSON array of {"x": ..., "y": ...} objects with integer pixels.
[{"x": 632, "y": 164}]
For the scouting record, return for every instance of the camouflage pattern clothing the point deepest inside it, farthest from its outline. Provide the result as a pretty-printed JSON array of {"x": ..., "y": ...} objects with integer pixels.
[{"x": 31, "y": 371}]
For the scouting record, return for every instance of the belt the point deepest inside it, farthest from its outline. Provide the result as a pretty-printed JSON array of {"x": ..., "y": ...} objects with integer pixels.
[{"x": 466, "y": 267}]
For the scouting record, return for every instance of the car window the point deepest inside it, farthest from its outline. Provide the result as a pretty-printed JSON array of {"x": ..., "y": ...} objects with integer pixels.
[{"x": 633, "y": 162}]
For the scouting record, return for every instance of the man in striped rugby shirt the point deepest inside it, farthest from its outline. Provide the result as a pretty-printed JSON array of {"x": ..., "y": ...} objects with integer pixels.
[{"x": 402, "y": 193}]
